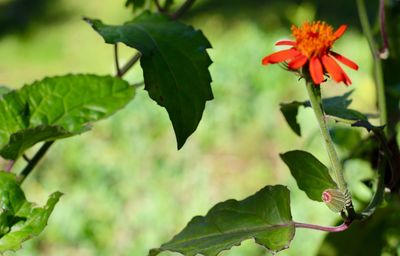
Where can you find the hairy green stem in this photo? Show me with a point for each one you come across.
(316, 104)
(378, 73)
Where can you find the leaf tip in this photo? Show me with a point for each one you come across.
(154, 252)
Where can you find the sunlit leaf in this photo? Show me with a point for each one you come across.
(20, 220)
(264, 216)
(311, 175)
(174, 62)
(57, 107)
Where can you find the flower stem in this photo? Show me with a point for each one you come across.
(314, 94)
(380, 87)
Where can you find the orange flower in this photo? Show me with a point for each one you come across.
(312, 49)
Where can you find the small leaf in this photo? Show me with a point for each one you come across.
(264, 216)
(19, 219)
(57, 107)
(311, 175)
(175, 66)
(135, 3)
(290, 111)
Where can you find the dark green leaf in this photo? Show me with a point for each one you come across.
(311, 175)
(20, 220)
(57, 107)
(135, 3)
(346, 137)
(338, 106)
(264, 216)
(175, 66)
(289, 111)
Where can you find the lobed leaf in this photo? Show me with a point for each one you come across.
(20, 220)
(264, 216)
(57, 107)
(175, 66)
(311, 175)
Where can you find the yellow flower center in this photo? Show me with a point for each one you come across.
(314, 39)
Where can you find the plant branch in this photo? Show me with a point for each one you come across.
(26, 158)
(182, 10)
(378, 73)
(129, 64)
(117, 61)
(339, 228)
(34, 161)
(159, 7)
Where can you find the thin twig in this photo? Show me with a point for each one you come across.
(129, 64)
(184, 7)
(159, 7)
(26, 158)
(340, 228)
(117, 61)
(35, 160)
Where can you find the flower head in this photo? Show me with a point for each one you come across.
(312, 49)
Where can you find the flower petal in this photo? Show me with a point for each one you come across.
(335, 70)
(280, 56)
(316, 72)
(286, 42)
(298, 62)
(340, 31)
(344, 60)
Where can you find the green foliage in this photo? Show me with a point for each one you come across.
(175, 66)
(57, 107)
(20, 220)
(264, 216)
(334, 106)
(311, 175)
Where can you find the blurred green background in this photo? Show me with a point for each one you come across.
(126, 187)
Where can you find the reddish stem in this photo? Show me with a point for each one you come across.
(340, 228)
